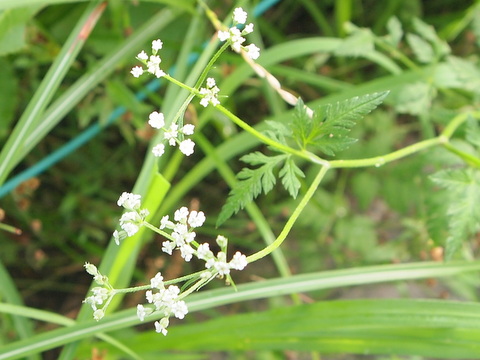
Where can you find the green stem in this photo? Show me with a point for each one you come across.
(395, 53)
(293, 218)
(457, 121)
(181, 84)
(158, 231)
(468, 158)
(10, 229)
(265, 139)
(378, 161)
(195, 90)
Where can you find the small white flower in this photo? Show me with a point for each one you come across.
(153, 66)
(222, 241)
(188, 129)
(211, 82)
(157, 281)
(143, 311)
(239, 15)
(91, 269)
(130, 229)
(186, 147)
(204, 102)
(181, 214)
(236, 38)
(168, 247)
(181, 229)
(222, 267)
(161, 327)
(154, 60)
(137, 71)
(143, 213)
(171, 134)
(157, 45)
(156, 120)
(159, 73)
(248, 29)
(166, 223)
(142, 56)
(223, 35)
(131, 216)
(239, 261)
(100, 294)
(253, 51)
(179, 309)
(203, 251)
(210, 262)
(210, 93)
(172, 292)
(158, 150)
(178, 238)
(98, 314)
(129, 201)
(116, 236)
(190, 236)
(186, 252)
(196, 218)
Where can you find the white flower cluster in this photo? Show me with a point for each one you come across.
(160, 298)
(157, 121)
(235, 36)
(210, 93)
(151, 62)
(183, 239)
(165, 300)
(132, 220)
(100, 294)
(182, 231)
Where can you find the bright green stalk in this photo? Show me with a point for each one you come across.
(378, 161)
(266, 140)
(293, 218)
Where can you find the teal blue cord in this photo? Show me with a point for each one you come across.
(96, 128)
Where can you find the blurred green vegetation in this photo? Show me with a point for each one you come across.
(359, 217)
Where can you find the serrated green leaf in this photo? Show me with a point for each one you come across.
(473, 132)
(359, 43)
(422, 49)
(464, 74)
(428, 32)
(395, 32)
(463, 210)
(300, 124)
(331, 123)
(251, 183)
(290, 174)
(414, 99)
(277, 131)
(425, 30)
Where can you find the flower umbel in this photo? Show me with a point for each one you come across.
(102, 295)
(173, 135)
(183, 239)
(235, 36)
(152, 62)
(132, 220)
(210, 93)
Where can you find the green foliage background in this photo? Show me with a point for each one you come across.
(369, 233)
